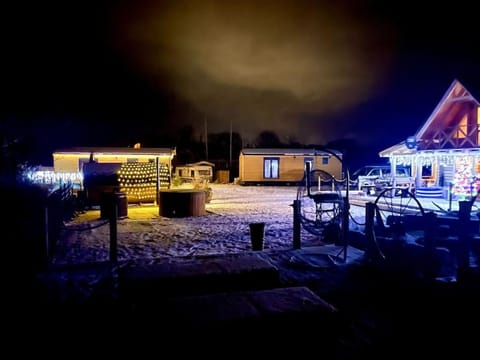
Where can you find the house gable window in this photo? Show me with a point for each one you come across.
(271, 168)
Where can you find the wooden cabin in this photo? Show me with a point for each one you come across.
(285, 166)
(444, 154)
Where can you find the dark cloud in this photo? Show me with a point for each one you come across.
(103, 72)
(261, 64)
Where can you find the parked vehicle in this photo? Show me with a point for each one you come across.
(372, 179)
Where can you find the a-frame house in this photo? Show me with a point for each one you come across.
(444, 154)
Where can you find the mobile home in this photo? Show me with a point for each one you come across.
(285, 166)
(202, 170)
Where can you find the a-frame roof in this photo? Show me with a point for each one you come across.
(438, 130)
(398, 149)
(448, 109)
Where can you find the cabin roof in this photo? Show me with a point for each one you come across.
(200, 163)
(398, 149)
(287, 152)
(116, 151)
(452, 102)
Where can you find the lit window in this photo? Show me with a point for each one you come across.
(271, 168)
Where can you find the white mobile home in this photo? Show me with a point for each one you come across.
(202, 170)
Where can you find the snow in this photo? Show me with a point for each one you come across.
(378, 304)
(224, 229)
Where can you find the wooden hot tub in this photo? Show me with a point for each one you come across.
(181, 203)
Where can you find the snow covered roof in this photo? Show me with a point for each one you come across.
(288, 151)
(117, 151)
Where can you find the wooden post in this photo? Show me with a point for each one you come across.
(464, 208)
(157, 186)
(345, 226)
(369, 232)
(296, 224)
(450, 188)
(372, 251)
(113, 233)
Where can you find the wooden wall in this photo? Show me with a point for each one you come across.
(291, 167)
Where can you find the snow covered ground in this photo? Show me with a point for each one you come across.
(224, 229)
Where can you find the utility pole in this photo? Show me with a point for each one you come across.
(230, 162)
(206, 138)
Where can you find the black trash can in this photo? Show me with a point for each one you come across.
(109, 200)
(257, 233)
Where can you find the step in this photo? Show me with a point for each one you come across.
(290, 312)
(148, 283)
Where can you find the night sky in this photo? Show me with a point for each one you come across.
(113, 73)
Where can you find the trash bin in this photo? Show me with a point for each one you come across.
(257, 233)
(107, 202)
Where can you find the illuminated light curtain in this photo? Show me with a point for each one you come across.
(465, 184)
(138, 181)
(54, 178)
(164, 176)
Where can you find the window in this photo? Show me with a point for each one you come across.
(427, 170)
(325, 160)
(270, 168)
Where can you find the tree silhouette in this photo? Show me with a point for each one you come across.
(268, 139)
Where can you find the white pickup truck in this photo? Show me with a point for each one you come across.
(375, 178)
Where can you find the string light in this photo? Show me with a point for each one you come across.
(51, 177)
(138, 180)
(465, 183)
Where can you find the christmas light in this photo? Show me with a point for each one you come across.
(139, 180)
